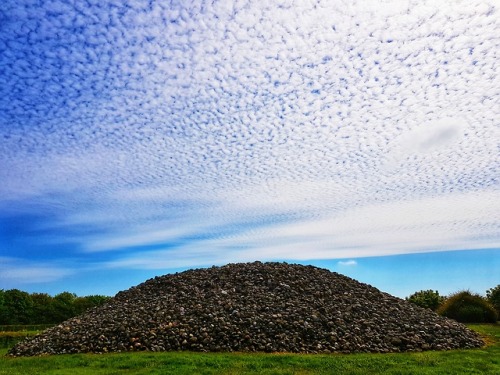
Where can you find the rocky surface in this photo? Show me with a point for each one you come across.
(267, 307)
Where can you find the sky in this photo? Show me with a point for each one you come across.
(140, 138)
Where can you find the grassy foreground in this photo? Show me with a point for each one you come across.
(478, 361)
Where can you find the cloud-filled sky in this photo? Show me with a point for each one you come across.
(148, 136)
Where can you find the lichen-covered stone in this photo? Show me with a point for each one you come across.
(266, 307)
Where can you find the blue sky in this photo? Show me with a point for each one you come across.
(139, 138)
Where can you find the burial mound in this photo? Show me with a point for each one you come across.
(265, 307)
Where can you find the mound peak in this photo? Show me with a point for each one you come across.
(269, 307)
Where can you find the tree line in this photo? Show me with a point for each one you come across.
(463, 306)
(19, 307)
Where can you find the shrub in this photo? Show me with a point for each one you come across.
(493, 297)
(467, 307)
(429, 299)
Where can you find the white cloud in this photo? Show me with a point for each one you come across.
(441, 136)
(253, 130)
(17, 271)
(347, 263)
(425, 225)
(144, 236)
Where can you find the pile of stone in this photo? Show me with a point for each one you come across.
(264, 307)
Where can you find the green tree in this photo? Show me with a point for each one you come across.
(43, 308)
(493, 297)
(18, 307)
(3, 309)
(82, 304)
(428, 299)
(64, 307)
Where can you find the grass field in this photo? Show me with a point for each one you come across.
(9, 338)
(478, 361)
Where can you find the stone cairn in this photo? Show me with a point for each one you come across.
(253, 307)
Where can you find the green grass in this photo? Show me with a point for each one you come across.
(8, 339)
(478, 361)
(11, 334)
(24, 327)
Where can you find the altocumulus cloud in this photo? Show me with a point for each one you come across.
(172, 134)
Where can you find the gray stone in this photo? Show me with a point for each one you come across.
(268, 307)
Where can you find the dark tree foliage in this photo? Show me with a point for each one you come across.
(18, 307)
(493, 297)
(82, 304)
(43, 308)
(467, 307)
(3, 309)
(64, 306)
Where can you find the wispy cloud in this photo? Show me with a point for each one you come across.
(19, 271)
(347, 263)
(418, 225)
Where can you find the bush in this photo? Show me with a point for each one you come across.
(493, 297)
(428, 299)
(467, 307)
